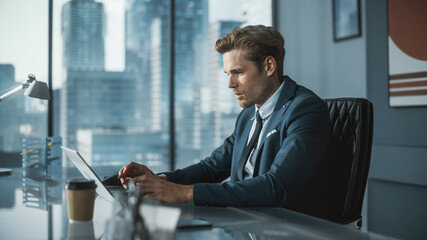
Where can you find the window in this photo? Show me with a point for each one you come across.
(112, 76)
(24, 51)
(205, 109)
(112, 79)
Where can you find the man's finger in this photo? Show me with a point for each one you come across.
(121, 173)
(124, 182)
(138, 179)
(147, 186)
(126, 169)
(149, 195)
(145, 178)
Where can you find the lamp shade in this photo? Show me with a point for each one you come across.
(38, 90)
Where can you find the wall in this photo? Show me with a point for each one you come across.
(396, 198)
(397, 193)
(312, 58)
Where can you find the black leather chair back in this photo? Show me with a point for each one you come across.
(349, 154)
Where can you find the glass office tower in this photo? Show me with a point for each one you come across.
(9, 132)
(83, 31)
(96, 100)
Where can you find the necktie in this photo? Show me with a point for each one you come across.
(251, 145)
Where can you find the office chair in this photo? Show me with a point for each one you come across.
(349, 157)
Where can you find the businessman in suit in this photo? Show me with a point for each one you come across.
(280, 137)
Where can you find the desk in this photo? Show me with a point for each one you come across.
(21, 219)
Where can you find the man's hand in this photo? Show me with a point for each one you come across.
(131, 170)
(159, 188)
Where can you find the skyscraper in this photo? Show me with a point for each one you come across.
(142, 18)
(119, 147)
(222, 103)
(191, 19)
(8, 130)
(97, 100)
(83, 30)
(148, 53)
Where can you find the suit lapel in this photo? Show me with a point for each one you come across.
(285, 99)
(244, 138)
(241, 145)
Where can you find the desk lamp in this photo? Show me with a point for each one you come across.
(35, 89)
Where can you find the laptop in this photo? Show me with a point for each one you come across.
(108, 195)
(88, 173)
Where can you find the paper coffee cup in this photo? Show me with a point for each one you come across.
(81, 199)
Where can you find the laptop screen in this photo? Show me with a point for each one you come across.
(88, 173)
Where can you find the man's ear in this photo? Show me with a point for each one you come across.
(270, 66)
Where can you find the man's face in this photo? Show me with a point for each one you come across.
(249, 84)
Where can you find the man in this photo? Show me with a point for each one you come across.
(279, 139)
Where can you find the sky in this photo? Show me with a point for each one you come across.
(24, 37)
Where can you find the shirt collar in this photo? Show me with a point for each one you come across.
(267, 108)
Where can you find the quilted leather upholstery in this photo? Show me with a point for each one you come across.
(350, 153)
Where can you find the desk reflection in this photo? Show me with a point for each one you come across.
(40, 193)
(7, 191)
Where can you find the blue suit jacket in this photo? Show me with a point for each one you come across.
(294, 141)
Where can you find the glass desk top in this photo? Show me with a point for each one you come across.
(37, 209)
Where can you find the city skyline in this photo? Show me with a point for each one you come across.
(33, 56)
(94, 100)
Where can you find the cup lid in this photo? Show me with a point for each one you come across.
(80, 184)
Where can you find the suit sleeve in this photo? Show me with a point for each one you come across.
(305, 138)
(213, 169)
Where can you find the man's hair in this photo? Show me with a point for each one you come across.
(258, 41)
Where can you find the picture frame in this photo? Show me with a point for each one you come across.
(346, 19)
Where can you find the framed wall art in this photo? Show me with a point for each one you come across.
(407, 53)
(346, 19)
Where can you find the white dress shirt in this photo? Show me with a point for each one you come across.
(265, 112)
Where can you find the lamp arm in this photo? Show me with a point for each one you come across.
(11, 92)
(25, 84)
